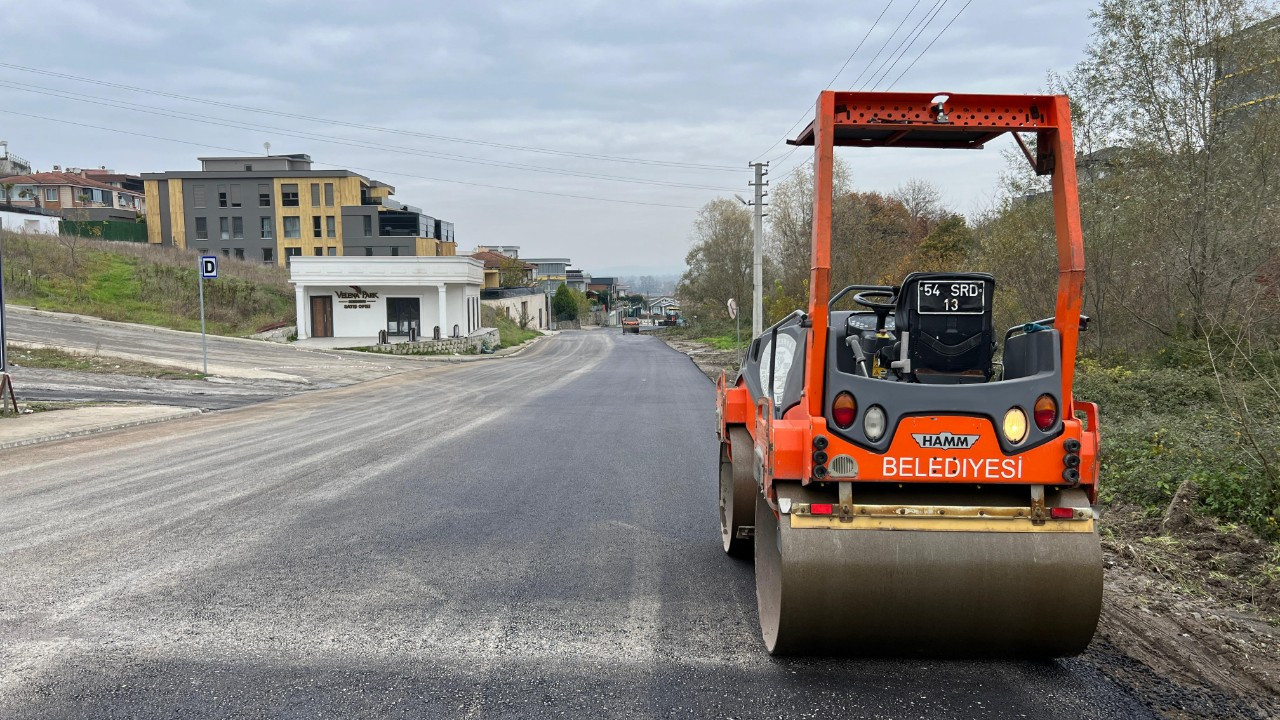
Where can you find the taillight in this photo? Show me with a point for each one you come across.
(843, 410)
(1046, 412)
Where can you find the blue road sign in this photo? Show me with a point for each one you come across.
(208, 266)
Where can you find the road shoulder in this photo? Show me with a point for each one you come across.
(53, 425)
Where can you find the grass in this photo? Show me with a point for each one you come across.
(1164, 426)
(510, 333)
(60, 360)
(145, 284)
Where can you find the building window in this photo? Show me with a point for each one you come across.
(293, 227)
(237, 228)
(268, 256)
(289, 195)
(315, 194)
(264, 196)
(239, 253)
(290, 253)
(368, 226)
(333, 252)
(202, 228)
(395, 251)
(315, 226)
(328, 194)
(319, 252)
(235, 195)
(368, 252)
(224, 227)
(197, 196)
(222, 196)
(267, 229)
(330, 226)
(51, 194)
(226, 252)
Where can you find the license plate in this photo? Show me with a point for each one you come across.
(951, 297)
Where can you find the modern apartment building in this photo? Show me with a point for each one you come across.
(274, 207)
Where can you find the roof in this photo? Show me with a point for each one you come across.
(58, 178)
(494, 260)
(879, 119)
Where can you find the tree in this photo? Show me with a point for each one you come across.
(719, 262)
(512, 274)
(563, 304)
(7, 189)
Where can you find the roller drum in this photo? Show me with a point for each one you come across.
(737, 492)
(939, 593)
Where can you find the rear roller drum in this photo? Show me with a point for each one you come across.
(905, 592)
(737, 492)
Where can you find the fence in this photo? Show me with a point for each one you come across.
(106, 230)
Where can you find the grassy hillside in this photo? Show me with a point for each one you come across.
(141, 283)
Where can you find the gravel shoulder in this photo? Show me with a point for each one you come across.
(1191, 613)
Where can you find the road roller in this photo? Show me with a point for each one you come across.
(909, 479)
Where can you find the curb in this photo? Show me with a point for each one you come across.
(185, 412)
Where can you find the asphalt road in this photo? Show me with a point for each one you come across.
(531, 537)
(232, 357)
(50, 385)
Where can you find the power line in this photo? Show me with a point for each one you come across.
(905, 45)
(931, 42)
(236, 124)
(887, 40)
(351, 167)
(833, 80)
(375, 128)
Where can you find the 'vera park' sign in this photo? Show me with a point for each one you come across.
(356, 298)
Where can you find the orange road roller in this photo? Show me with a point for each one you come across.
(908, 478)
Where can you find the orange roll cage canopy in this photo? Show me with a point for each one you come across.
(945, 121)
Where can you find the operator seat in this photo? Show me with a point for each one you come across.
(945, 328)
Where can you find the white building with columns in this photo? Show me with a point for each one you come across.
(357, 297)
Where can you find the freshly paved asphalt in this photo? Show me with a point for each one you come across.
(531, 537)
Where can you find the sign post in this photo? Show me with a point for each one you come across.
(733, 314)
(6, 383)
(209, 270)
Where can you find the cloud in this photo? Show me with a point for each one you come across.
(694, 82)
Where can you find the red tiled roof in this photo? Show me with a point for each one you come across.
(59, 178)
(493, 260)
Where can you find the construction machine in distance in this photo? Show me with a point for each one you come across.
(901, 491)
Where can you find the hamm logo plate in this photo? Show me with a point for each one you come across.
(945, 441)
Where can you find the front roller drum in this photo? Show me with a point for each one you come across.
(911, 592)
(737, 492)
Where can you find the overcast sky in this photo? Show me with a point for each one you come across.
(703, 83)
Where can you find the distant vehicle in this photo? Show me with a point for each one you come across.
(630, 325)
(670, 316)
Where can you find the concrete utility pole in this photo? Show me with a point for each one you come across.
(757, 297)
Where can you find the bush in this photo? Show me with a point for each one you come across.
(564, 304)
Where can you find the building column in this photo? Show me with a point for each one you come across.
(301, 298)
(445, 328)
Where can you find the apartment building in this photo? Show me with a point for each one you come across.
(271, 208)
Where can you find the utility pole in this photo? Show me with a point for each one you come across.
(757, 254)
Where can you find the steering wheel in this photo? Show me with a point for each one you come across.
(864, 299)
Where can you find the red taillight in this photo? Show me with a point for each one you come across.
(1061, 513)
(844, 409)
(820, 509)
(1046, 412)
